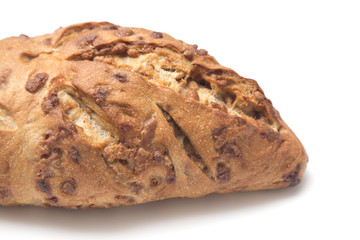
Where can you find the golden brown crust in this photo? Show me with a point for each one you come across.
(98, 115)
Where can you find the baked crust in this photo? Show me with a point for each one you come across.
(98, 115)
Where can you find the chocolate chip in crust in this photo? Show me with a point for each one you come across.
(219, 136)
(124, 198)
(230, 150)
(112, 27)
(69, 186)
(86, 41)
(293, 176)
(36, 82)
(74, 155)
(136, 187)
(24, 36)
(4, 192)
(259, 96)
(69, 125)
(222, 172)
(158, 157)
(27, 57)
(189, 55)
(155, 181)
(49, 102)
(156, 35)
(171, 175)
(53, 200)
(121, 77)
(119, 48)
(133, 53)
(202, 52)
(100, 96)
(124, 32)
(43, 186)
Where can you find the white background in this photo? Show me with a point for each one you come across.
(306, 57)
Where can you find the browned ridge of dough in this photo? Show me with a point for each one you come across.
(98, 115)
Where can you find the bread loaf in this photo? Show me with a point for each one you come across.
(98, 115)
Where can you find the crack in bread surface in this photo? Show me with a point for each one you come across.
(188, 147)
(85, 117)
(153, 67)
(166, 72)
(175, 77)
